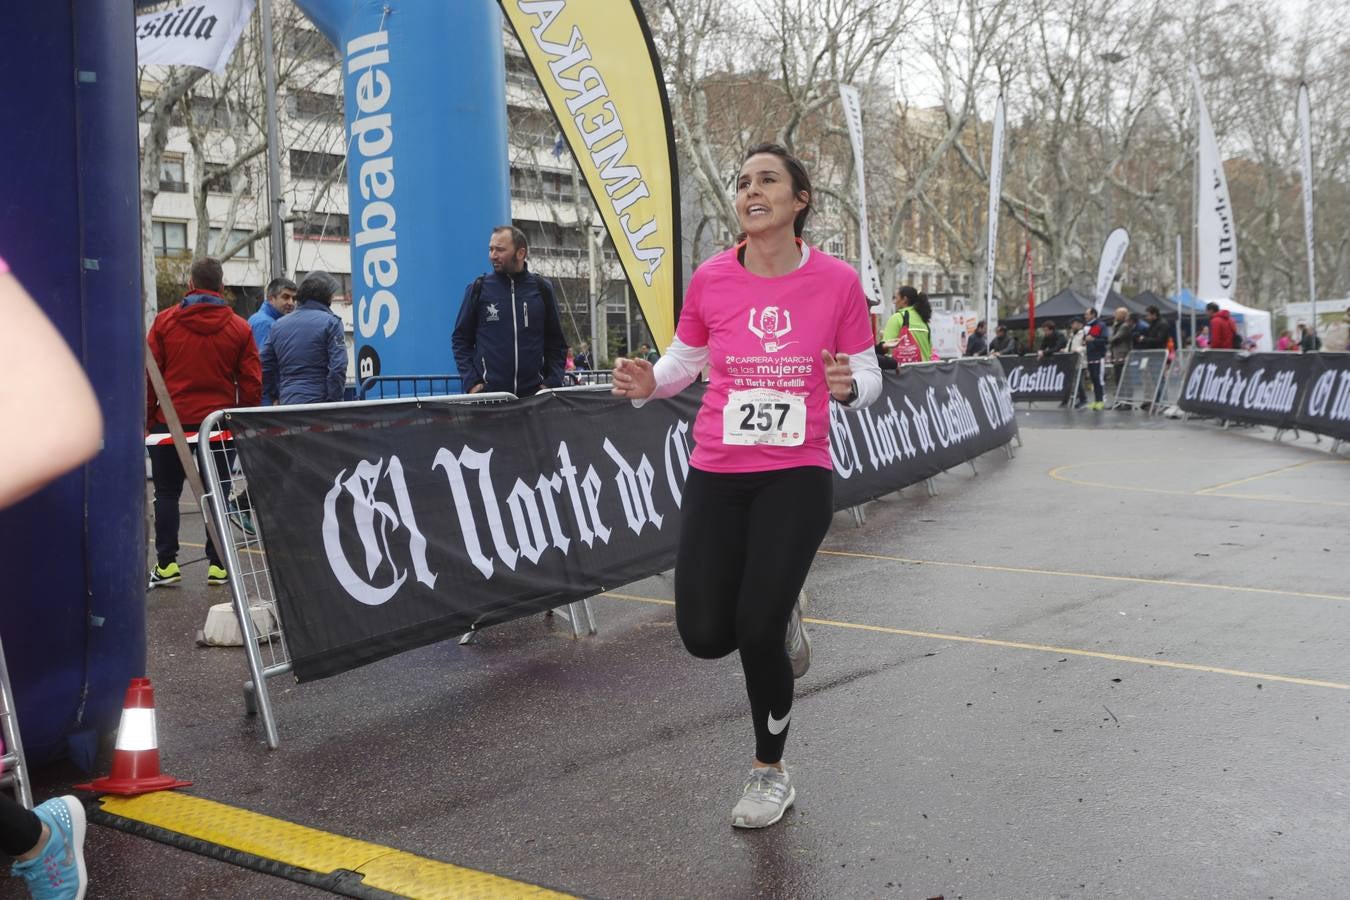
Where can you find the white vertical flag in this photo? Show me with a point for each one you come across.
(1305, 135)
(1216, 246)
(1113, 251)
(871, 281)
(995, 192)
(201, 33)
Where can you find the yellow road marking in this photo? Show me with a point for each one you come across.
(1214, 491)
(383, 868)
(1250, 478)
(1125, 578)
(1042, 648)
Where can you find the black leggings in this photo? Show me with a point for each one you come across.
(20, 829)
(746, 544)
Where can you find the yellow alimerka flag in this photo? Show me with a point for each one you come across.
(598, 67)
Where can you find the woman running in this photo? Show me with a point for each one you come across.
(780, 322)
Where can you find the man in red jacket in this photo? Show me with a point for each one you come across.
(209, 362)
(1221, 328)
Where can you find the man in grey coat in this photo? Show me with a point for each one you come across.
(305, 357)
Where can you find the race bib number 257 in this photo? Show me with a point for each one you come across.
(764, 416)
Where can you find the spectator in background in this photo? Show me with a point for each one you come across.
(1286, 342)
(1121, 341)
(305, 357)
(583, 358)
(1222, 332)
(280, 301)
(508, 336)
(1155, 333)
(1097, 342)
(978, 343)
(1052, 341)
(1078, 344)
(1307, 341)
(912, 312)
(1004, 344)
(646, 352)
(209, 362)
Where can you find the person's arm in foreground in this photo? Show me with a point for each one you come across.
(52, 421)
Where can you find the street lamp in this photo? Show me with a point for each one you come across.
(595, 234)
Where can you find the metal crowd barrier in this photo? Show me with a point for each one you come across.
(588, 376)
(13, 766)
(408, 387)
(415, 387)
(245, 555)
(1174, 381)
(1140, 379)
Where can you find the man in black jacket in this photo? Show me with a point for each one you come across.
(508, 336)
(1052, 342)
(1157, 333)
(1004, 344)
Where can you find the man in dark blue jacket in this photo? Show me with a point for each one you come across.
(1097, 342)
(508, 336)
(305, 357)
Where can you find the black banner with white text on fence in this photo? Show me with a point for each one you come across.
(1261, 388)
(1029, 378)
(391, 526)
(1324, 407)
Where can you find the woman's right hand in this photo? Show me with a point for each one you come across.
(633, 379)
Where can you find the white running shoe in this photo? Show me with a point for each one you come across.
(767, 795)
(798, 642)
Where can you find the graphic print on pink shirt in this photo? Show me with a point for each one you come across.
(769, 333)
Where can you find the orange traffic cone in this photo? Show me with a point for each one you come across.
(135, 767)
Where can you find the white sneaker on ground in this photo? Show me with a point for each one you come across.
(768, 794)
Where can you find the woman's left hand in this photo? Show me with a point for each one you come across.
(838, 375)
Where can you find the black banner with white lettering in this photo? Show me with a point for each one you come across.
(1030, 378)
(1261, 388)
(391, 526)
(930, 418)
(1324, 407)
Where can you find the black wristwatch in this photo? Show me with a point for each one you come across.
(852, 394)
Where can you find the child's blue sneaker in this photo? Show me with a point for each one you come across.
(58, 872)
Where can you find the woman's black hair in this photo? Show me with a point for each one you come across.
(801, 182)
(918, 301)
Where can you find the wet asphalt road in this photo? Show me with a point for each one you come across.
(1084, 672)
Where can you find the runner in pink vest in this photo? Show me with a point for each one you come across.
(784, 330)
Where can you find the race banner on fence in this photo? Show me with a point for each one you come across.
(1262, 388)
(930, 417)
(1030, 378)
(1325, 405)
(396, 525)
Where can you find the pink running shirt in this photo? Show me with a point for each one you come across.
(769, 333)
